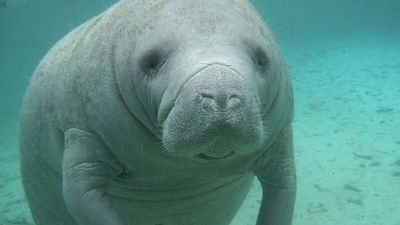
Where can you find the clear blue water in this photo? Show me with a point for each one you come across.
(344, 57)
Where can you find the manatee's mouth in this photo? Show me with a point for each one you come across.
(207, 157)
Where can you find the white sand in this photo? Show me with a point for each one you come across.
(347, 137)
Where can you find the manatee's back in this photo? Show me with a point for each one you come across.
(41, 137)
(48, 109)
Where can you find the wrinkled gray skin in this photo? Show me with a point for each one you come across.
(160, 113)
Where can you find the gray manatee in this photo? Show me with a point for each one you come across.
(160, 112)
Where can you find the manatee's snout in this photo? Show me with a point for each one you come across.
(218, 90)
(215, 115)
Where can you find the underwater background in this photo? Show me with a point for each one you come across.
(344, 58)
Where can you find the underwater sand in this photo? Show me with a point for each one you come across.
(347, 137)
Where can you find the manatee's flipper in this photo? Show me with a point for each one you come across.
(87, 169)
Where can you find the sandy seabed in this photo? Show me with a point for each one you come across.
(347, 137)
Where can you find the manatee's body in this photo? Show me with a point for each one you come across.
(159, 113)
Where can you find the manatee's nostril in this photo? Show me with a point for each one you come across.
(219, 102)
(233, 101)
(208, 102)
(205, 95)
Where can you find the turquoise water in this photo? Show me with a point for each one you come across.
(344, 57)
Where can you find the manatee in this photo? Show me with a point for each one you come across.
(160, 113)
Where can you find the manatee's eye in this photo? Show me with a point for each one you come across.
(261, 60)
(151, 61)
